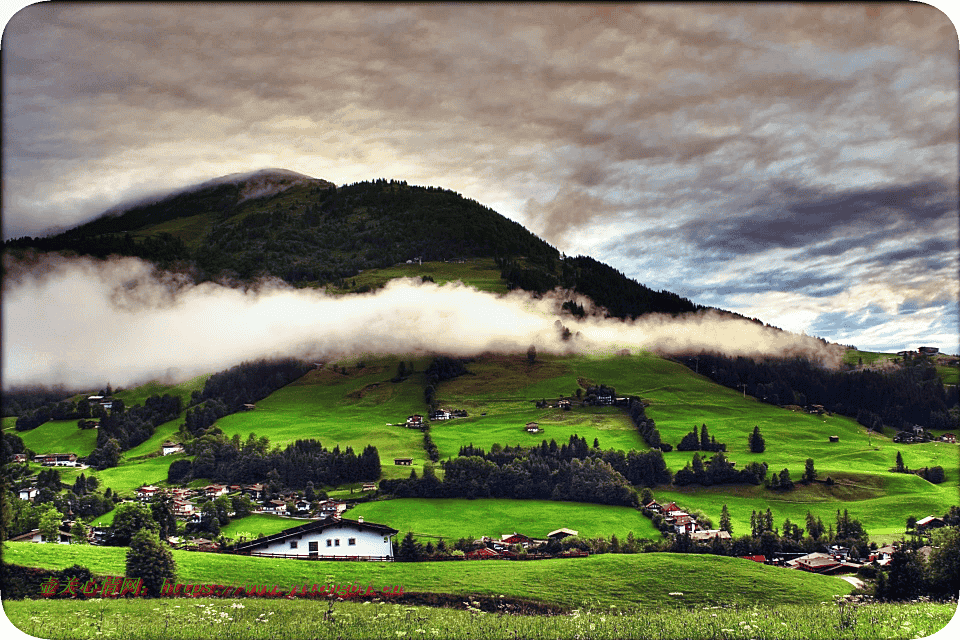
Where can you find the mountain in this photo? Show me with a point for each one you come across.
(309, 232)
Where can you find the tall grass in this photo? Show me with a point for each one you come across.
(199, 619)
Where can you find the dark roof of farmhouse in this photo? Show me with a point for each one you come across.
(314, 527)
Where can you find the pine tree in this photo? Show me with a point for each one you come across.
(725, 520)
(809, 473)
(900, 466)
(757, 445)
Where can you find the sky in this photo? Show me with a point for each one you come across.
(795, 163)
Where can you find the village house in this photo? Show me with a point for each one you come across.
(168, 448)
(19, 457)
(561, 533)
(533, 427)
(508, 539)
(215, 490)
(440, 414)
(928, 351)
(949, 437)
(563, 404)
(684, 524)
(28, 493)
(483, 553)
(56, 459)
(277, 507)
(330, 539)
(146, 492)
(369, 486)
(403, 462)
(35, 536)
(302, 506)
(930, 522)
(183, 509)
(711, 534)
(331, 508)
(415, 421)
(255, 491)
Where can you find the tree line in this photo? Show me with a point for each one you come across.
(250, 461)
(909, 395)
(572, 471)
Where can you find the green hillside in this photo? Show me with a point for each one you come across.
(619, 580)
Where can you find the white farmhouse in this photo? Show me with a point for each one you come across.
(330, 538)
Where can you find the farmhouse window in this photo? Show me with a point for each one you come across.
(336, 542)
(352, 541)
(293, 544)
(314, 546)
(329, 543)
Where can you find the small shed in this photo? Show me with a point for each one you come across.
(533, 427)
(403, 462)
(834, 438)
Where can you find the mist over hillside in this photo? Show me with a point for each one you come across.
(81, 321)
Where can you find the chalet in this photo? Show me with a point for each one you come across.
(332, 538)
(56, 459)
(168, 448)
(917, 430)
(28, 494)
(564, 404)
(302, 506)
(949, 437)
(482, 553)
(684, 524)
(882, 555)
(822, 563)
(654, 506)
(440, 414)
(182, 508)
(533, 427)
(930, 522)
(331, 508)
(215, 490)
(561, 533)
(369, 486)
(928, 351)
(516, 538)
(255, 491)
(249, 407)
(403, 462)
(146, 492)
(705, 536)
(415, 421)
(19, 457)
(605, 398)
(35, 536)
(905, 354)
(278, 507)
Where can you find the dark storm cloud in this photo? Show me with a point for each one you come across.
(625, 131)
(812, 218)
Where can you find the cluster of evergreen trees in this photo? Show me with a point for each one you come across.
(572, 471)
(646, 426)
(911, 394)
(705, 442)
(718, 470)
(233, 461)
(121, 428)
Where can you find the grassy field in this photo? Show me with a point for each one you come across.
(60, 436)
(256, 523)
(349, 410)
(456, 518)
(266, 619)
(480, 273)
(595, 581)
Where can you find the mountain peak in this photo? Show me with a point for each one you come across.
(263, 182)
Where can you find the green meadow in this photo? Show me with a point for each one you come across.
(455, 518)
(600, 581)
(258, 523)
(202, 618)
(354, 409)
(60, 436)
(479, 273)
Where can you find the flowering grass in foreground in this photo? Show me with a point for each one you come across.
(199, 619)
